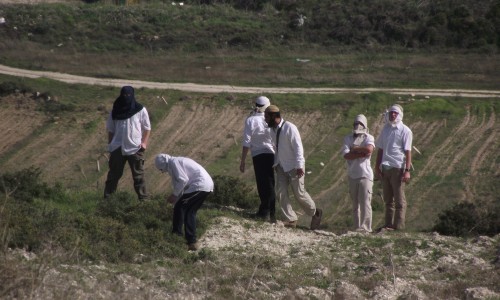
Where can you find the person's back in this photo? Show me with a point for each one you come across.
(257, 140)
(256, 135)
(189, 176)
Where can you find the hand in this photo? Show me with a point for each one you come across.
(300, 173)
(171, 199)
(406, 177)
(242, 166)
(378, 173)
(144, 146)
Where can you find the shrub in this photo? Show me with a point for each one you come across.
(25, 185)
(466, 219)
(9, 87)
(232, 191)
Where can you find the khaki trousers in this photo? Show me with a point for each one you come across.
(117, 163)
(394, 198)
(283, 181)
(360, 190)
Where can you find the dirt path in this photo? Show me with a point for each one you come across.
(191, 87)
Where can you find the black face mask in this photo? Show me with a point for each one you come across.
(125, 106)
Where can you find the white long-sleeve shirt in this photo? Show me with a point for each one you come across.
(188, 176)
(256, 135)
(289, 151)
(127, 133)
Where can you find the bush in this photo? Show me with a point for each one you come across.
(9, 87)
(25, 185)
(466, 219)
(230, 191)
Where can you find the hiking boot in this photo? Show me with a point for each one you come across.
(193, 246)
(316, 219)
(290, 224)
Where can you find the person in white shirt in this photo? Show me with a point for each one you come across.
(129, 128)
(289, 165)
(357, 151)
(393, 166)
(257, 140)
(191, 186)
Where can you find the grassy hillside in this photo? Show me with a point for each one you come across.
(59, 240)
(455, 138)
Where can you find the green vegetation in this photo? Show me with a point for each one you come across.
(59, 214)
(341, 43)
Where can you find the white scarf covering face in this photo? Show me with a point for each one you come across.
(397, 108)
(360, 130)
(161, 162)
(359, 139)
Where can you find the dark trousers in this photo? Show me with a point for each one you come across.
(185, 210)
(117, 163)
(264, 175)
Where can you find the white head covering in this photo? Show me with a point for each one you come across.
(264, 101)
(397, 108)
(161, 162)
(359, 129)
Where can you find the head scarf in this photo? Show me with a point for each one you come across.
(261, 103)
(125, 105)
(161, 162)
(397, 108)
(358, 129)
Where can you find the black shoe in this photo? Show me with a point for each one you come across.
(272, 219)
(316, 219)
(259, 216)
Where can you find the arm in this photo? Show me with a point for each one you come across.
(145, 139)
(406, 174)
(110, 137)
(359, 152)
(378, 172)
(244, 152)
(172, 199)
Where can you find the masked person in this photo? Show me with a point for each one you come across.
(357, 151)
(393, 166)
(289, 165)
(257, 140)
(128, 129)
(191, 186)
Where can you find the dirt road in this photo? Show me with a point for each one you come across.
(192, 87)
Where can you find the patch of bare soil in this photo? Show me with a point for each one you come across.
(20, 120)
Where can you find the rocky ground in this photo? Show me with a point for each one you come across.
(243, 259)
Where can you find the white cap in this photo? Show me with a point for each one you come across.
(262, 100)
(262, 103)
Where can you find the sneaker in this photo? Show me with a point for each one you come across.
(193, 246)
(291, 224)
(316, 219)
